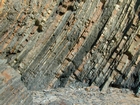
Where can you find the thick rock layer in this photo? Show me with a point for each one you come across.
(12, 90)
(62, 43)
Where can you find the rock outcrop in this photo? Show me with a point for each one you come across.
(62, 43)
(85, 96)
(12, 90)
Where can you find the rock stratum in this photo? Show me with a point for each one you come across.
(49, 44)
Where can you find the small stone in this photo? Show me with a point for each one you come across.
(87, 89)
(49, 11)
(125, 37)
(117, 7)
(137, 95)
(21, 65)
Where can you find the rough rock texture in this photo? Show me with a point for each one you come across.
(85, 96)
(63, 43)
(12, 90)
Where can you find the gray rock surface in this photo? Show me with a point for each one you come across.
(85, 96)
(12, 90)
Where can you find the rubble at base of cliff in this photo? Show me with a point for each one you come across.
(85, 96)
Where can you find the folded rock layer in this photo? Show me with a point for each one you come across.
(62, 43)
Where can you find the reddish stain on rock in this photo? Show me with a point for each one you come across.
(7, 76)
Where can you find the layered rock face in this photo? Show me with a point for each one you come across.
(12, 90)
(62, 43)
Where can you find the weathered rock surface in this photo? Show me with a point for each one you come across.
(85, 96)
(62, 43)
(12, 90)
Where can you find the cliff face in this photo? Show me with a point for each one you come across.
(12, 90)
(58, 43)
